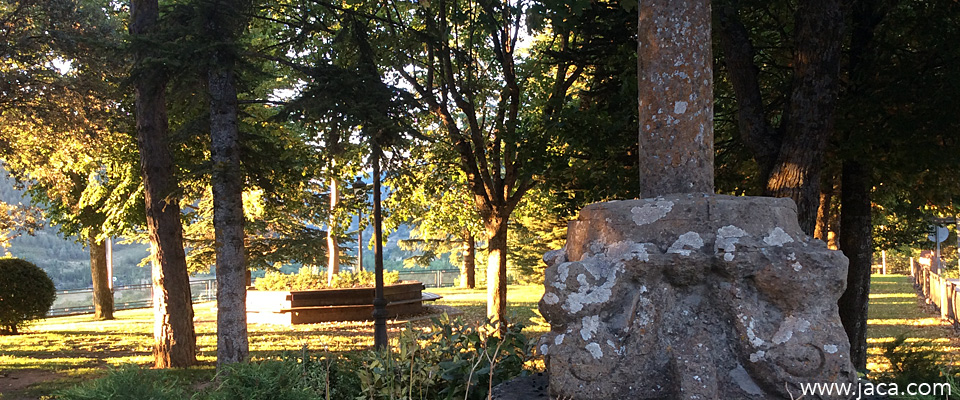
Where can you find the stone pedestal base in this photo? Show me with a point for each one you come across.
(693, 297)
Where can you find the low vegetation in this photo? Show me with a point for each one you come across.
(430, 359)
(308, 279)
(26, 294)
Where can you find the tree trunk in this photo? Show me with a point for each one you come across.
(856, 242)
(789, 159)
(497, 270)
(102, 290)
(174, 336)
(333, 248)
(468, 276)
(808, 120)
(738, 55)
(675, 98)
(232, 345)
(824, 212)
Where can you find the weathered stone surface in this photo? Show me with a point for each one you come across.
(675, 83)
(692, 296)
(531, 387)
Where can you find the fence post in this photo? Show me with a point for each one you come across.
(883, 256)
(955, 299)
(948, 303)
(944, 312)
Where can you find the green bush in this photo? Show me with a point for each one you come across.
(306, 279)
(452, 360)
(265, 380)
(26, 294)
(129, 383)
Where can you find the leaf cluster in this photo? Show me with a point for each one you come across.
(451, 360)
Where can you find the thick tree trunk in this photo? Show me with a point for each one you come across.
(808, 121)
(856, 242)
(790, 161)
(333, 248)
(468, 275)
(232, 346)
(738, 55)
(675, 79)
(497, 270)
(102, 290)
(174, 336)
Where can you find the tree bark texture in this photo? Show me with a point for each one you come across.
(856, 242)
(808, 123)
(738, 55)
(174, 336)
(333, 248)
(497, 270)
(102, 290)
(790, 157)
(468, 277)
(228, 218)
(675, 79)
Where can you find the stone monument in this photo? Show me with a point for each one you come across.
(686, 294)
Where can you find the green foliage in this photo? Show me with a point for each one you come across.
(129, 382)
(265, 380)
(308, 279)
(26, 294)
(291, 376)
(452, 360)
(919, 362)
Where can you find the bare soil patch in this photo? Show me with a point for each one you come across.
(13, 384)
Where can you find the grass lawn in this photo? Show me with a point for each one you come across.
(895, 309)
(61, 351)
(67, 350)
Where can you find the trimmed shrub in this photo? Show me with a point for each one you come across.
(26, 294)
(307, 280)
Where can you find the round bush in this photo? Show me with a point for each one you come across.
(26, 294)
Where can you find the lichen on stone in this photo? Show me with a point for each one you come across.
(777, 237)
(689, 239)
(649, 213)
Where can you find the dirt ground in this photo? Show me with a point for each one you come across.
(13, 384)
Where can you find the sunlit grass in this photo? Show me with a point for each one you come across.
(895, 309)
(78, 347)
(521, 305)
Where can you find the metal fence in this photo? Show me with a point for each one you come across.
(80, 301)
(436, 278)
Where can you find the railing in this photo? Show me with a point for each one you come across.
(940, 292)
(80, 301)
(435, 278)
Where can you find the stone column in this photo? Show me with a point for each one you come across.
(685, 294)
(675, 79)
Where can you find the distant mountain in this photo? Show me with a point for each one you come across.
(64, 259)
